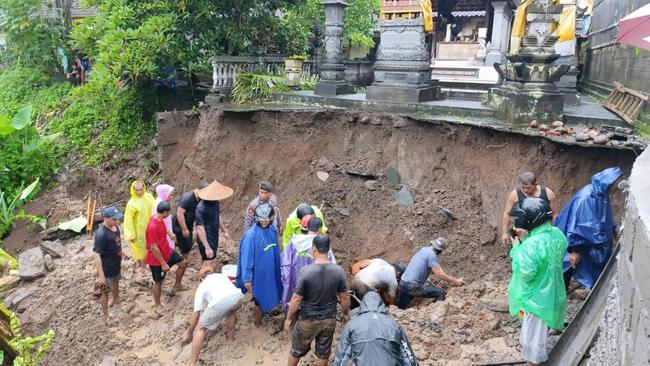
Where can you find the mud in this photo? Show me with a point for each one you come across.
(459, 178)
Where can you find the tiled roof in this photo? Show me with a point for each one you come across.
(79, 11)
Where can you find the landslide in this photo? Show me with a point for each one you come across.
(459, 177)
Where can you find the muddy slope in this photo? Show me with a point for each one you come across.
(459, 176)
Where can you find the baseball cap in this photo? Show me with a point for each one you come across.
(439, 243)
(266, 186)
(112, 213)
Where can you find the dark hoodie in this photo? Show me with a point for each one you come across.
(374, 338)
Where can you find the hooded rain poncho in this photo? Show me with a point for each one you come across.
(259, 263)
(373, 338)
(292, 227)
(163, 192)
(588, 224)
(136, 218)
(537, 284)
(294, 258)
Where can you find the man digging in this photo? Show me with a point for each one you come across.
(216, 298)
(108, 258)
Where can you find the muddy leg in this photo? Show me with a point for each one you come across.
(157, 290)
(231, 323)
(197, 344)
(293, 361)
(103, 301)
(180, 272)
(115, 291)
(258, 316)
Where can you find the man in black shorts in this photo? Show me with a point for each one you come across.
(160, 256)
(208, 222)
(315, 295)
(183, 220)
(108, 257)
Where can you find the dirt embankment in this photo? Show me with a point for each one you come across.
(458, 176)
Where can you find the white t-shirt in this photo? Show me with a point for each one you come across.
(379, 272)
(214, 288)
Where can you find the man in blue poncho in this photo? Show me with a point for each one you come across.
(589, 225)
(258, 268)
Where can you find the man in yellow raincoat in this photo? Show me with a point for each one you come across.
(292, 226)
(136, 218)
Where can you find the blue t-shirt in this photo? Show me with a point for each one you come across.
(420, 266)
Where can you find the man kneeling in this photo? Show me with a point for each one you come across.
(216, 298)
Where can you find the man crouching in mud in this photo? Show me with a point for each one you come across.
(216, 298)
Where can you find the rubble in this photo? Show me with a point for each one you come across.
(53, 248)
(31, 264)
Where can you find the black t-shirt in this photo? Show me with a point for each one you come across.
(319, 284)
(109, 247)
(188, 202)
(207, 215)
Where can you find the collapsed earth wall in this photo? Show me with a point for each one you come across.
(459, 176)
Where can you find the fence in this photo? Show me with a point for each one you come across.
(226, 68)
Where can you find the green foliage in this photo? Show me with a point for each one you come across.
(31, 350)
(308, 82)
(19, 86)
(360, 22)
(103, 118)
(9, 206)
(250, 87)
(33, 32)
(295, 27)
(24, 155)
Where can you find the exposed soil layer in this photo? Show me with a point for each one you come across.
(458, 176)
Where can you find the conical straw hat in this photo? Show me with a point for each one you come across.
(215, 191)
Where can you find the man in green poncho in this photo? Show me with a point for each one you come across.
(536, 291)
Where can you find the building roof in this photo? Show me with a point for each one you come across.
(79, 11)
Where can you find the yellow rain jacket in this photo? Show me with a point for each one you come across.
(136, 218)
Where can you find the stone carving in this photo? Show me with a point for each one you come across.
(528, 92)
(332, 77)
(402, 69)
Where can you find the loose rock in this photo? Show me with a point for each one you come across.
(53, 248)
(557, 124)
(19, 295)
(49, 262)
(582, 136)
(543, 127)
(344, 212)
(370, 185)
(601, 139)
(322, 176)
(31, 264)
(561, 130)
(534, 124)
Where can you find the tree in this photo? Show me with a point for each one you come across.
(33, 32)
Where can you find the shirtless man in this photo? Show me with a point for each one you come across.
(529, 188)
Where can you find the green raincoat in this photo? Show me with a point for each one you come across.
(136, 218)
(537, 284)
(292, 227)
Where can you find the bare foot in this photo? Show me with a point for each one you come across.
(116, 303)
(180, 288)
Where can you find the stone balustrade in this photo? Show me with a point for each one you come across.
(226, 68)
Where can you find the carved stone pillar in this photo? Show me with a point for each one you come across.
(402, 69)
(332, 78)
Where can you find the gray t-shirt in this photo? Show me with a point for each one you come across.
(319, 284)
(420, 266)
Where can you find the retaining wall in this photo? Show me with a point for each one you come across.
(624, 337)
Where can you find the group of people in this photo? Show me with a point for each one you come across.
(291, 267)
(549, 248)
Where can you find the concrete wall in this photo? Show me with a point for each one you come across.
(605, 61)
(625, 328)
